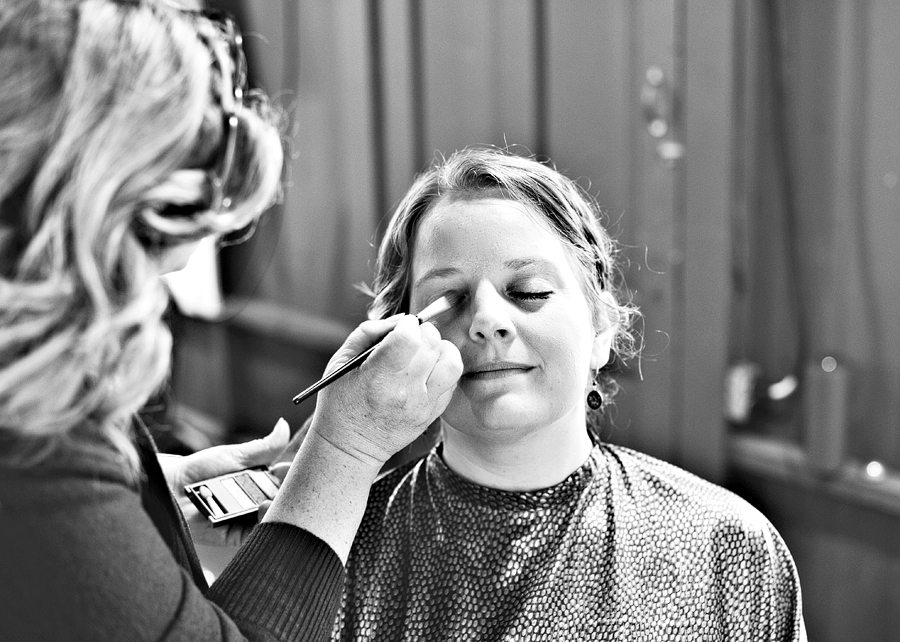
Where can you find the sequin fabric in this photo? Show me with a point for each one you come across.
(626, 548)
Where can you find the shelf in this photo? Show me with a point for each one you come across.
(787, 462)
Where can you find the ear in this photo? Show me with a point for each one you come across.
(602, 344)
(601, 348)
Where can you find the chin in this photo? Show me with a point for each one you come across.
(513, 415)
(498, 419)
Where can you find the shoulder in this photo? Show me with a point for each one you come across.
(73, 474)
(71, 535)
(656, 489)
(710, 533)
(654, 480)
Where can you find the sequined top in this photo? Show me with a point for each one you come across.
(626, 548)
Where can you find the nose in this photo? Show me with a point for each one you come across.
(491, 320)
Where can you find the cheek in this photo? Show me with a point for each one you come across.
(453, 330)
(566, 352)
(570, 361)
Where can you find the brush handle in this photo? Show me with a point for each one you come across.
(437, 307)
(355, 362)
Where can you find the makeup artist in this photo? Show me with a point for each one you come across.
(125, 137)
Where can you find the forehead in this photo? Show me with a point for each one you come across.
(475, 216)
(480, 231)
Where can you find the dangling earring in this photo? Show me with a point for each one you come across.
(594, 398)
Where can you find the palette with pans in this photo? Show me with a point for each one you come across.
(234, 495)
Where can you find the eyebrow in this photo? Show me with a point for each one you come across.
(436, 273)
(512, 264)
(520, 264)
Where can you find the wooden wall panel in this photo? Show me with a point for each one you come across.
(401, 155)
(841, 91)
(810, 29)
(479, 77)
(822, 209)
(878, 238)
(355, 154)
(330, 202)
(705, 247)
(850, 326)
(651, 224)
(763, 279)
(590, 99)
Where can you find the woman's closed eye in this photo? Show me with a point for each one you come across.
(528, 295)
(529, 289)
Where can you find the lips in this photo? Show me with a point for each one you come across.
(495, 369)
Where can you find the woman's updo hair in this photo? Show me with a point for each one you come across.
(111, 120)
(568, 209)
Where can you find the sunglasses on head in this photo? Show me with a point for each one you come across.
(229, 46)
(234, 87)
(233, 92)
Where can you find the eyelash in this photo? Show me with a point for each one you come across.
(530, 296)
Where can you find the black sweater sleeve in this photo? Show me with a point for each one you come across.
(284, 581)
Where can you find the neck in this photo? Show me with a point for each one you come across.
(540, 459)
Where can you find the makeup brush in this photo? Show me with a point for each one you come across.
(432, 310)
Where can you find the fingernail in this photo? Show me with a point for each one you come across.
(281, 423)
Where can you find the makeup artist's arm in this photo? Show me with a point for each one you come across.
(363, 419)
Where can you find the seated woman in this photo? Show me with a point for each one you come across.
(520, 524)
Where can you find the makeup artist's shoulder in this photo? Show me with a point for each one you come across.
(72, 463)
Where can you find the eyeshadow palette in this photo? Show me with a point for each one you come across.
(234, 495)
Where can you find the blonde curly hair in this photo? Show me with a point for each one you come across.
(111, 119)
